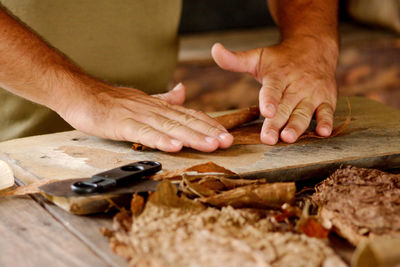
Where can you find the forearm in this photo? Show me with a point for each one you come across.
(32, 69)
(314, 19)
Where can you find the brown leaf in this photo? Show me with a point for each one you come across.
(167, 195)
(254, 196)
(137, 204)
(205, 168)
(313, 228)
(240, 117)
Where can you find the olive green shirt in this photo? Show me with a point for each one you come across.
(123, 42)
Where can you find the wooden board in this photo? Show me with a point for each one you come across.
(371, 140)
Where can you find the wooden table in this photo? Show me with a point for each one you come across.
(37, 233)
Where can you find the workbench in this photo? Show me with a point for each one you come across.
(36, 232)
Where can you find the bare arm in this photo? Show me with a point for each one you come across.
(298, 74)
(33, 70)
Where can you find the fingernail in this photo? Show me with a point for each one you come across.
(175, 142)
(210, 139)
(325, 130)
(270, 109)
(290, 134)
(224, 136)
(179, 85)
(271, 136)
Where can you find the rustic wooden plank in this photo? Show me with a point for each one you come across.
(371, 140)
(373, 132)
(30, 236)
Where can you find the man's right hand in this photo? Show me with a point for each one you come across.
(127, 114)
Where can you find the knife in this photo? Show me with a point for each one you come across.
(125, 179)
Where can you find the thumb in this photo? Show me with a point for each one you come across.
(176, 96)
(245, 61)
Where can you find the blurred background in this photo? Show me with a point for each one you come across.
(369, 63)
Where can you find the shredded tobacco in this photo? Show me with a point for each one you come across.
(173, 230)
(361, 203)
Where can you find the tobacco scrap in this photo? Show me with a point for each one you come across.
(208, 168)
(254, 196)
(167, 234)
(360, 203)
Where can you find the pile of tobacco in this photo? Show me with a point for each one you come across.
(207, 216)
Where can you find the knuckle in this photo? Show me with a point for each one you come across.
(142, 132)
(302, 113)
(170, 125)
(284, 109)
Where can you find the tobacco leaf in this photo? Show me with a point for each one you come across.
(167, 195)
(137, 204)
(313, 228)
(229, 121)
(250, 134)
(254, 196)
(360, 203)
(209, 168)
(240, 117)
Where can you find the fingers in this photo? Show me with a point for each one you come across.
(271, 127)
(133, 131)
(174, 97)
(194, 132)
(298, 121)
(270, 96)
(190, 137)
(235, 61)
(324, 116)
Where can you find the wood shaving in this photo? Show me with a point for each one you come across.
(361, 203)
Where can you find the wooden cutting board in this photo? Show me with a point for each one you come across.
(371, 140)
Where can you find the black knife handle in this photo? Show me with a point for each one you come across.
(116, 177)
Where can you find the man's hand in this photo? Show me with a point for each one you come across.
(298, 74)
(35, 71)
(297, 80)
(155, 121)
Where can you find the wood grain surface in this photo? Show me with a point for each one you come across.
(30, 236)
(372, 139)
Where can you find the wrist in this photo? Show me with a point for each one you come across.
(324, 46)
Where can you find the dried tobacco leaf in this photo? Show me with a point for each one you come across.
(360, 203)
(137, 204)
(209, 168)
(240, 117)
(250, 134)
(167, 195)
(254, 196)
